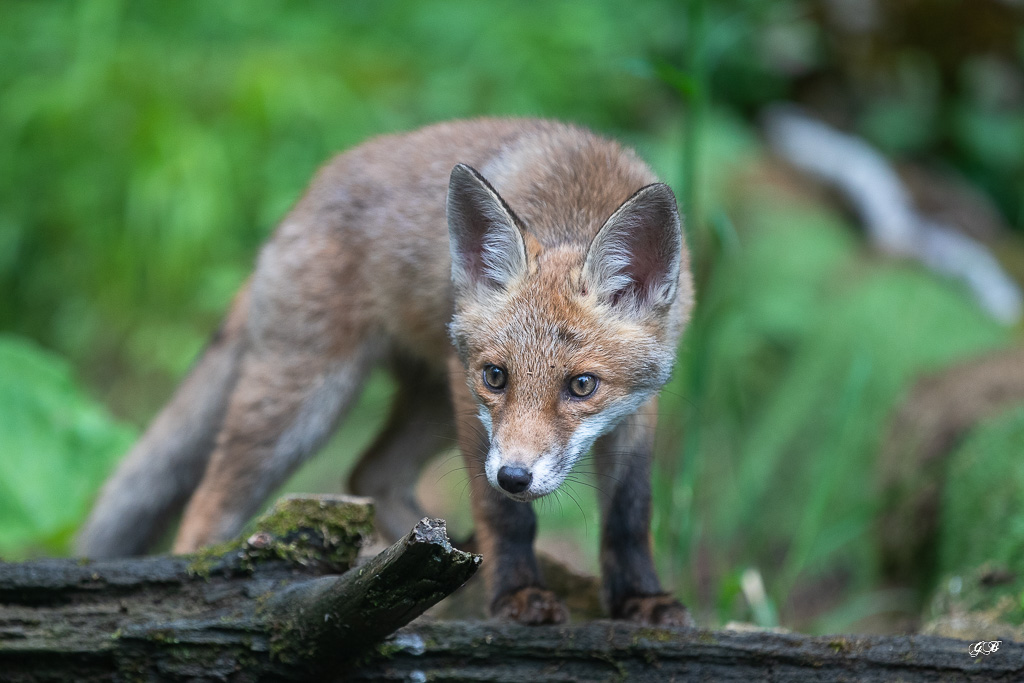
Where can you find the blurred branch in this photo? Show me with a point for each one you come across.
(883, 204)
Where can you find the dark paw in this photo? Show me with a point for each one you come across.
(656, 610)
(531, 606)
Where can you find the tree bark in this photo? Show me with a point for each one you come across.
(328, 621)
(619, 651)
(250, 610)
(260, 609)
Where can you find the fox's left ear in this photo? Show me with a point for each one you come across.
(484, 237)
(633, 262)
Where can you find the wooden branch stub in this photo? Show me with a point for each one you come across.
(326, 621)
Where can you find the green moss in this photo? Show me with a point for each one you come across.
(316, 512)
(983, 503)
(840, 645)
(991, 589)
(325, 531)
(989, 599)
(308, 530)
(980, 585)
(162, 636)
(658, 635)
(622, 673)
(388, 650)
(281, 649)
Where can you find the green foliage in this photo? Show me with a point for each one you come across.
(982, 516)
(148, 148)
(799, 353)
(57, 446)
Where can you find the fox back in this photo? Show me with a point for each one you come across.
(381, 210)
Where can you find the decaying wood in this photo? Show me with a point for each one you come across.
(220, 614)
(330, 620)
(260, 609)
(618, 651)
(939, 412)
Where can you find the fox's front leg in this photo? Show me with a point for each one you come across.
(631, 587)
(504, 529)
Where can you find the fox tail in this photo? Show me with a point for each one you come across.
(165, 466)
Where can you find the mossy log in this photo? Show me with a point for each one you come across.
(618, 651)
(241, 611)
(260, 609)
(940, 410)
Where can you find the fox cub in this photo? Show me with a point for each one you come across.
(549, 312)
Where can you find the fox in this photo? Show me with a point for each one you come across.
(525, 281)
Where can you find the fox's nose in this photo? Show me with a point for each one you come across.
(514, 479)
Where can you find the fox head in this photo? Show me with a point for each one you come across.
(561, 342)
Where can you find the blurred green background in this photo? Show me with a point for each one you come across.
(147, 148)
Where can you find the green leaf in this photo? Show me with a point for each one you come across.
(56, 447)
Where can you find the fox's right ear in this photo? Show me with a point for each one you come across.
(484, 237)
(634, 260)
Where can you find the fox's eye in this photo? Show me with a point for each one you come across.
(495, 377)
(583, 385)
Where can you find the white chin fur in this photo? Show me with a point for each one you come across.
(547, 476)
(550, 470)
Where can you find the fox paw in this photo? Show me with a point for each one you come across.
(656, 610)
(531, 606)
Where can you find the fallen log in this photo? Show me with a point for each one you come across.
(619, 651)
(260, 609)
(940, 411)
(241, 611)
